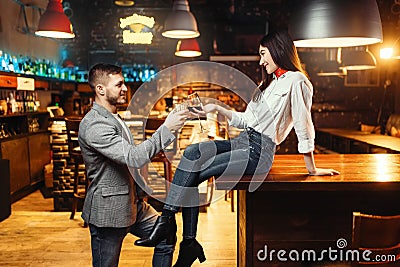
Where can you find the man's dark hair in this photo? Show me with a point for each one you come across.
(99, 72)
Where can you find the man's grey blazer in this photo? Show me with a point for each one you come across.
(112, 162)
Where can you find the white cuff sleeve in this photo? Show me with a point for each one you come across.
(305, 146)
(235, 121)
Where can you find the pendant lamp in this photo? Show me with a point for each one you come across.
(180, 23)
(358, 58)
(332, 68)
(338, 23)
(124, 3)
(54, 23)
(332, 65)
(188, 48)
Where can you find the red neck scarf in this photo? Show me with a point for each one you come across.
(279, 72)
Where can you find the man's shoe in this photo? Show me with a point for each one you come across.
(164, 228)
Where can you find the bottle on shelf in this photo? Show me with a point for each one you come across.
(19, 102)
(4, 61)
(9, 107)
(3, 102)
(30, 102)
(13, 104)
(25, 101)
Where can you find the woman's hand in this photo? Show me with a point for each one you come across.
(313, 170)
(210, 108)
(320, 172)
(213, 108)
(203, 112)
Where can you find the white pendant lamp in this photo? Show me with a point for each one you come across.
(338, 23)
(180, 23)
(358, 58)
(332, 65)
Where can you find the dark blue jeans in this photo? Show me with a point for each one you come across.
(249, 153)
(106, 242)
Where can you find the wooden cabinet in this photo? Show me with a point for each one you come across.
(7, 81)
(26, 145)
(16, 151)
(62, 85)
(84, 88)
(5, 204)
(39, 155)
(41, 84)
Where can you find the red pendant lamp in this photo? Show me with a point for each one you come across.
(188, 48)
(54, 23)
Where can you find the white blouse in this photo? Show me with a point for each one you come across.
(285, 104)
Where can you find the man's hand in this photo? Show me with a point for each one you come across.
(175, 120)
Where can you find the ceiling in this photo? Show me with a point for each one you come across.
(227, 27)
(231, 26)
(239, 16)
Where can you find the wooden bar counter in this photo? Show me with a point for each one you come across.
(351, 141)
(292, 210)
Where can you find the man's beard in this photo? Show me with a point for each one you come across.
(114, 100)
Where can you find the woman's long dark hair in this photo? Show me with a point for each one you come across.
(283, 52)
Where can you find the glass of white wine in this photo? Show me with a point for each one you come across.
(194, 102)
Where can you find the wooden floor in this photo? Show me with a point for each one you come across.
(35, 235)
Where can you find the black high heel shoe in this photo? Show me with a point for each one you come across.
(164, 228)
(189, 251)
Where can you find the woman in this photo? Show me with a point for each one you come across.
(282, 101)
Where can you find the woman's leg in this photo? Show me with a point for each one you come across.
(199, 162)
(185, 180)
(227, 161)
(233, 160)
(184, 190)
(195, 160)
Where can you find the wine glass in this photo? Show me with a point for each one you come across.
(194, 102)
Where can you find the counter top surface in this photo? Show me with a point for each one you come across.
(357, 172)
(379, 140)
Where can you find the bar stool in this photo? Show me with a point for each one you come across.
(231, 195)
(378, 234)
(79, 188)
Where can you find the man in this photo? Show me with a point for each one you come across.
(113, 206)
